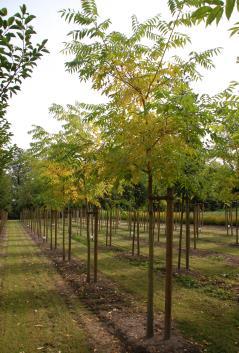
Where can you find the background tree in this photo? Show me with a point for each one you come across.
(18, 55)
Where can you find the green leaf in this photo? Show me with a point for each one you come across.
(10, 21)
(3, 12)
(20, 35)
(214, 15)
(215, 2)
(229, 7)
(238, 5)
(202, 12)
(219, 15)
(29, 19)
(23, 9)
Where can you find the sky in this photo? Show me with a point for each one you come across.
(50, 83)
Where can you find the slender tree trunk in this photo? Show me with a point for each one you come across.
(134, 227)
(80, 214)
(107, 229)
(158, 223)
(39, 223)
(111, 224)
(31, 220)
(150, 306)
(197, 220)
(130, 223)
(55, 229)
(226, 219)
(194, 227)
(96, 244)
(44, 224)
(88, 241)
(92, 226)
(231, 219)
(169, 265)
(51, 235)
(237, 240)
(202, 217)
(180, 235)
(69, 232)
(138, 245)
(47, 225)
(63, 236)
(187, 221)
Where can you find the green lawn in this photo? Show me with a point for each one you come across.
(33, 315)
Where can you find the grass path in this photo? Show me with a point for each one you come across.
(33, 315)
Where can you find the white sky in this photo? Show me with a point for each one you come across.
(51, 84)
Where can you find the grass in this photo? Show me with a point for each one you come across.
(33, 315)
(209, 217)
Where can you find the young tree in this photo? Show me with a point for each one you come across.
(145, 119)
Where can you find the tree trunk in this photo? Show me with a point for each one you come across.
(107, 228)
(169, 265)
(111, 224)
(80, 214)
(96, 244)
(237, 240)
(88, 241)
(134, 227)
(55, 229)
(63, 236)
(187, 221)
(138, 245)
(150, 304)
(231, 219)
(51, 221)
(180, 235)
(194, 227)
(69, 232)
(226, 219)
(47, 224)
(158, 223)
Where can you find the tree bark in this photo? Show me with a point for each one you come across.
(88, 242)
(138, 244)
(237, 240)
(63, 236)
(96, 244)
(180, 235)
(51, 221)
(150, 304)
(187, 221)
(55, 213)
(169, 265)
(134, 227)
(69, 232)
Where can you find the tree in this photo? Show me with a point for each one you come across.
(148, 96)
(73, 164)
(18, 55)
(5, 192)
(6, 151)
